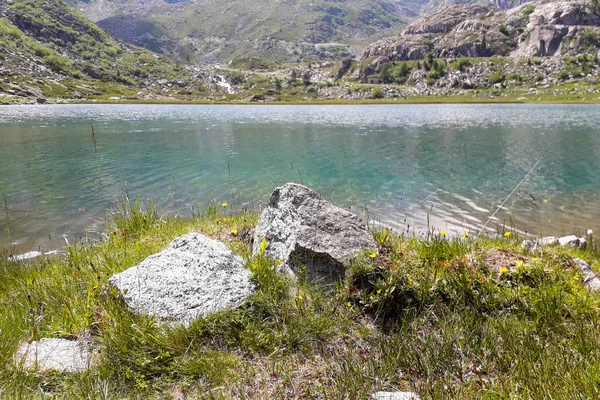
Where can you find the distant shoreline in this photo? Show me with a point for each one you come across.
(397, 101)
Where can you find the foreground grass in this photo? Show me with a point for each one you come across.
(435, 315)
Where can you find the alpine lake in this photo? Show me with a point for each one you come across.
(532, 169)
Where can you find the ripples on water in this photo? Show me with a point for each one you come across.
(449, 166)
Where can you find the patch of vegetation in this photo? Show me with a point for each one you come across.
(458, 317)
(528, 10)
(497, 77)
(70, 45)
(252, 63)
(462, 64)
(377, 93)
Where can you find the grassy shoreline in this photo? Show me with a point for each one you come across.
(425, 100)
(461, 317)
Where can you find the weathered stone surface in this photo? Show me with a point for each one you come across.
(31, 254)
(395, 396)
(302, 229)
(590, 279)
(61, 355)
(445, 19)
(554, 28)
(547, 241)
(194, 276)
(572, 241)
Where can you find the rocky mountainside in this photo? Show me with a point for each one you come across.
(529, 30)
(215, 32)
(49, 49)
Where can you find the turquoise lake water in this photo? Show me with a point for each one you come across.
(449, 166)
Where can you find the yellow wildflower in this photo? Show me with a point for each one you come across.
(506, 234)
(534, 259)
(278, 261)
(465, 235)
(503, 270)
(373, 255)
(234, 232)
(444, 233)
(224, 204)
(349, 304)
(519, 263)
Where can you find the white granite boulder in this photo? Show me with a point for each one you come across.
(52, 354)
(305, 231)
(571, 241)
(395, 396)
(193, 277)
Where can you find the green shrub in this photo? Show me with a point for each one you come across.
(57, 63)
(528, 10)
(462, 64)
(377, 93)
(497, 77)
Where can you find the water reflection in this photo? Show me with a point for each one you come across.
(408, 166)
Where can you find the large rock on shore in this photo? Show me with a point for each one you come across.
(303, 230)
(193, 277)
(395, 396)
(52, 354)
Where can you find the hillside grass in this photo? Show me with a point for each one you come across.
(427, 314)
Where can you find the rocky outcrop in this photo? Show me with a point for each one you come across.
(60, 355)
(193, 277)
(444, 20)
(303, 230)
(565, 241)
(590, 279)
(395, 396)
(528, 30)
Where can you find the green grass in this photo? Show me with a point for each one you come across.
(429, 314)
(61, 38)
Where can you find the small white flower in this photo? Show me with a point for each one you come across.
(590, 232)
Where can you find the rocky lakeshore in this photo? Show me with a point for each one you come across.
(304, 260)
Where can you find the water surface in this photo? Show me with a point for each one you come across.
(409, 166)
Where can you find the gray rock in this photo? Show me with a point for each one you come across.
(590, 280)
(303, 230)
(60, 355)
(537, 244)
(194, 276)
(31, 254)
(395, 396)
(572, 241)
(547, 241)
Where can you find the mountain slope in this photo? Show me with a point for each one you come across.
(529, 30)
(211, 32)
(50, 41)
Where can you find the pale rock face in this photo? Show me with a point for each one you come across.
(590, 279)
(303, 230)
(194, 276)
(571, 241)
(52, 354)
(551, 29)
(395, 396)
